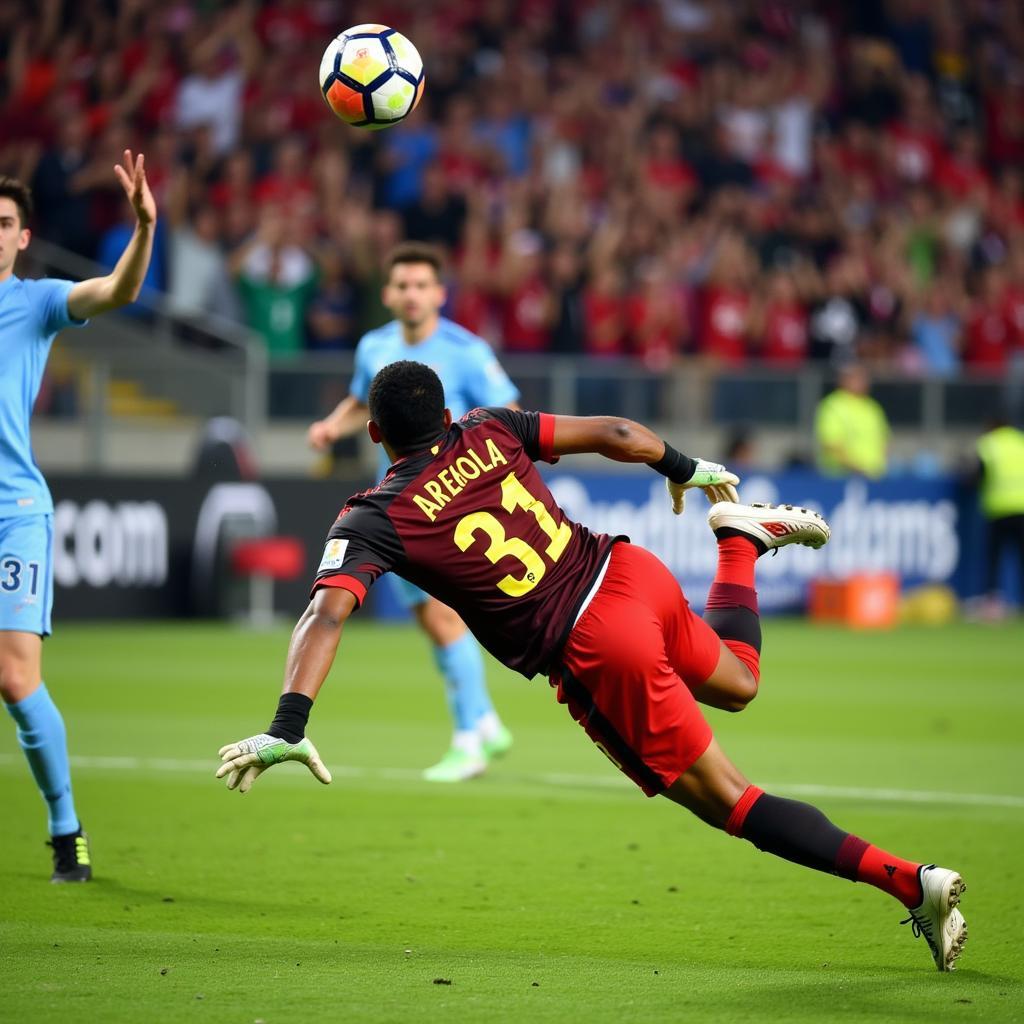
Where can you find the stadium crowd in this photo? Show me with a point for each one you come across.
(776, 180)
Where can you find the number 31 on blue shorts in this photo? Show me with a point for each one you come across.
(26, 573)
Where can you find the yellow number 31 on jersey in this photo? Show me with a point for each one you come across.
(514, 495)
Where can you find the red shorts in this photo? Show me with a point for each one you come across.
(629, 666)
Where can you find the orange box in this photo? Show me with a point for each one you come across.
(864, 600)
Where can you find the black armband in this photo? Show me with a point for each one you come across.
(292, 715)
(679, 468)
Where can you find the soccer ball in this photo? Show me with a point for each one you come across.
(371, 76)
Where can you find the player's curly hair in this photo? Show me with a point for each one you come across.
(406, 401)
(21, 194)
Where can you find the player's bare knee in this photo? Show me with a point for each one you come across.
(18, 678)
(440, 623)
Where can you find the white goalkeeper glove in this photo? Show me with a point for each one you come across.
(712, 478)
(246, 760)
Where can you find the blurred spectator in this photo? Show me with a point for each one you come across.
(657, 317)
(287, 183)
(569, 324)
(276, 279)
(734, 179)
(62, 202)
(779, 322)
(936, 331)
(727, 302)
(199, 281)
(838, 320)
(525, 294)
(332, 315)
(438, 215)
(851, 428)
(604, 314)
(212, 94)
(987, 328)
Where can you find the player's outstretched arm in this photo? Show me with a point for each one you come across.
(311, 653)
(123, 284)
(625, 441)
(348, 417)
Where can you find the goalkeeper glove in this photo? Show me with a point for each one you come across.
(246, 760)
(712, 478)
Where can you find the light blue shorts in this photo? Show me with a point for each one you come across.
(26, 573)
(407, 594)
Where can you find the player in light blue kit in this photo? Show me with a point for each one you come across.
(31, 313)
(472, 377)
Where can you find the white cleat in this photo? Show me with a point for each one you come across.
(772, 526)
(937, 918)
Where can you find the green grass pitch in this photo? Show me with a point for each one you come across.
(550, 890)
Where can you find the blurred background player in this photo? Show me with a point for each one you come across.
(31, 314)
(472, 376)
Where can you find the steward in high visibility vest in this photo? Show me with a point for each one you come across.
(851, 429)
(1001, 452)
(1001, 490)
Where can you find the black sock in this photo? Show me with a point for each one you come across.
(795, 831)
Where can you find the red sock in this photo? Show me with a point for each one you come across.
(736, 558)
(866, 863)
(731, 607)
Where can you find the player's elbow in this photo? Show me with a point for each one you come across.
(742, 693)
(625, 438)
(123, 294)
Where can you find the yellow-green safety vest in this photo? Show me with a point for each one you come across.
(857, 424)
(1002, 486)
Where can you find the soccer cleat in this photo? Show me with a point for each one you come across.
(498, 744)
(770, 526)
(71, 861)
(937, 918)
(456, 766)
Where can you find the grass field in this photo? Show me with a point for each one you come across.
(549, 890)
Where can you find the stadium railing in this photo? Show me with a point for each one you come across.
(693, 393)
(150, 359)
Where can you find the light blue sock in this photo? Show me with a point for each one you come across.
(462, 666)
(41, 735)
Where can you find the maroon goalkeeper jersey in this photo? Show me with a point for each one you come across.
(471, 522)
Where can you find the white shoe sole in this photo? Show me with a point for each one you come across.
(943, 891)
(774, 526)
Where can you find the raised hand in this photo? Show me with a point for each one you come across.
(132, 175)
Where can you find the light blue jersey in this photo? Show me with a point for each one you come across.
(468, 368)
(469, 371)
(31, 313)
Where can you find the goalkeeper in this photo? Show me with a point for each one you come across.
(464, 514)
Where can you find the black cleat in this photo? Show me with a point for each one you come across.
(71, 861)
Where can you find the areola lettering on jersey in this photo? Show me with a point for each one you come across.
(472, 522)
(455, 476)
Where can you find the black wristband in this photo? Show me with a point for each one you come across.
(292, 715)
(679, 468)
